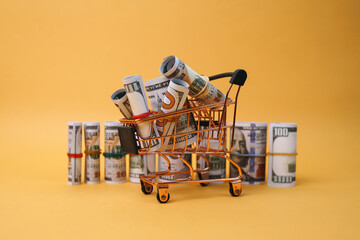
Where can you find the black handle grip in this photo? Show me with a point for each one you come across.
(238, 77)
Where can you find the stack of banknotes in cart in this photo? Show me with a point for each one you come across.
(169, 93)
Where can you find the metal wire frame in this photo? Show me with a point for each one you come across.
(215, 115)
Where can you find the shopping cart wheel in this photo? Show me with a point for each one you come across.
(235, 189)
(146, 188)
(200, 176)
(163, 195)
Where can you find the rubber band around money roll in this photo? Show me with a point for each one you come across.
(282, 154)
(109, 154)
(75, 155)
(93, 152)
(143, 115)
(248, 155)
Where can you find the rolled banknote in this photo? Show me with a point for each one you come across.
(115, 163)
(121, 101)
(74, 152)
(135, 92)
(217, 167)
(156, 90)
(211, 95)
(174, 100)
(141, 165)
(176, 165)
(282, 154)
(199, 86)
(249, 152)
(92, 144)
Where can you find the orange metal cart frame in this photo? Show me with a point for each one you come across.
(215, 117)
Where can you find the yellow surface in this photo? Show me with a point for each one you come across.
(61, 60)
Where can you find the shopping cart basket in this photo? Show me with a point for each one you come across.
(214, 115)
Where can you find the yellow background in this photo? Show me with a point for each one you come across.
(61, 60)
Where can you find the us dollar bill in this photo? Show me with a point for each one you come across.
(249, 151)
(199, 86)
(135, 92)
(157, 89)
(141, 165)
(174, 100)
(217, 167)
(115, 166)
(92, 143)
(211, 95)
(74, 147)
(121, 101)
(176, 165)
(282, 168)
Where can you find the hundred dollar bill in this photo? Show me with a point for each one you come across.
(199, 86)
(135, 92)
(121, 101)
(282, 168)
(115, 165)
(217, 167)
(211, 95)
(156, 90)
(141, 165)
(249, 152)
(176, 165)
(174, 100)
(74, 147)
(92, 143)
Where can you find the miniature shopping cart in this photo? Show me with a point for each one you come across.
(213, 115)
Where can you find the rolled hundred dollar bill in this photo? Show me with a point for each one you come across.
(135, 92)
(115, 163)
(282, 154)
(176, 165)
(199, 86)
(92, 145)
(156, 90)
(121, 101)
(217, 167)
(141, 165)
(174, 100)
(249, 152)
(74, 152)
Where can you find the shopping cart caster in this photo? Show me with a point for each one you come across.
(202, 176)
(163, 195)
(235, 189)
(146, 188)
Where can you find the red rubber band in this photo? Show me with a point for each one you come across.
(144, 115)
(75, 155)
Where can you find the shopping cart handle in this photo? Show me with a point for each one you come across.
(238, 77)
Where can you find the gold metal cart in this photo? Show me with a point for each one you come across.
(215, 117)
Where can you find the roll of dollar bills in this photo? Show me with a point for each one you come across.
(121, 101)
(135, 92)
(115, 163)
(249, 152)
(92, 145)
(199, 86)
(282, 154)
(157, 89)
(141, 165)
(74, 152)
(217, 167)
(174, 100)
(176, 165)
